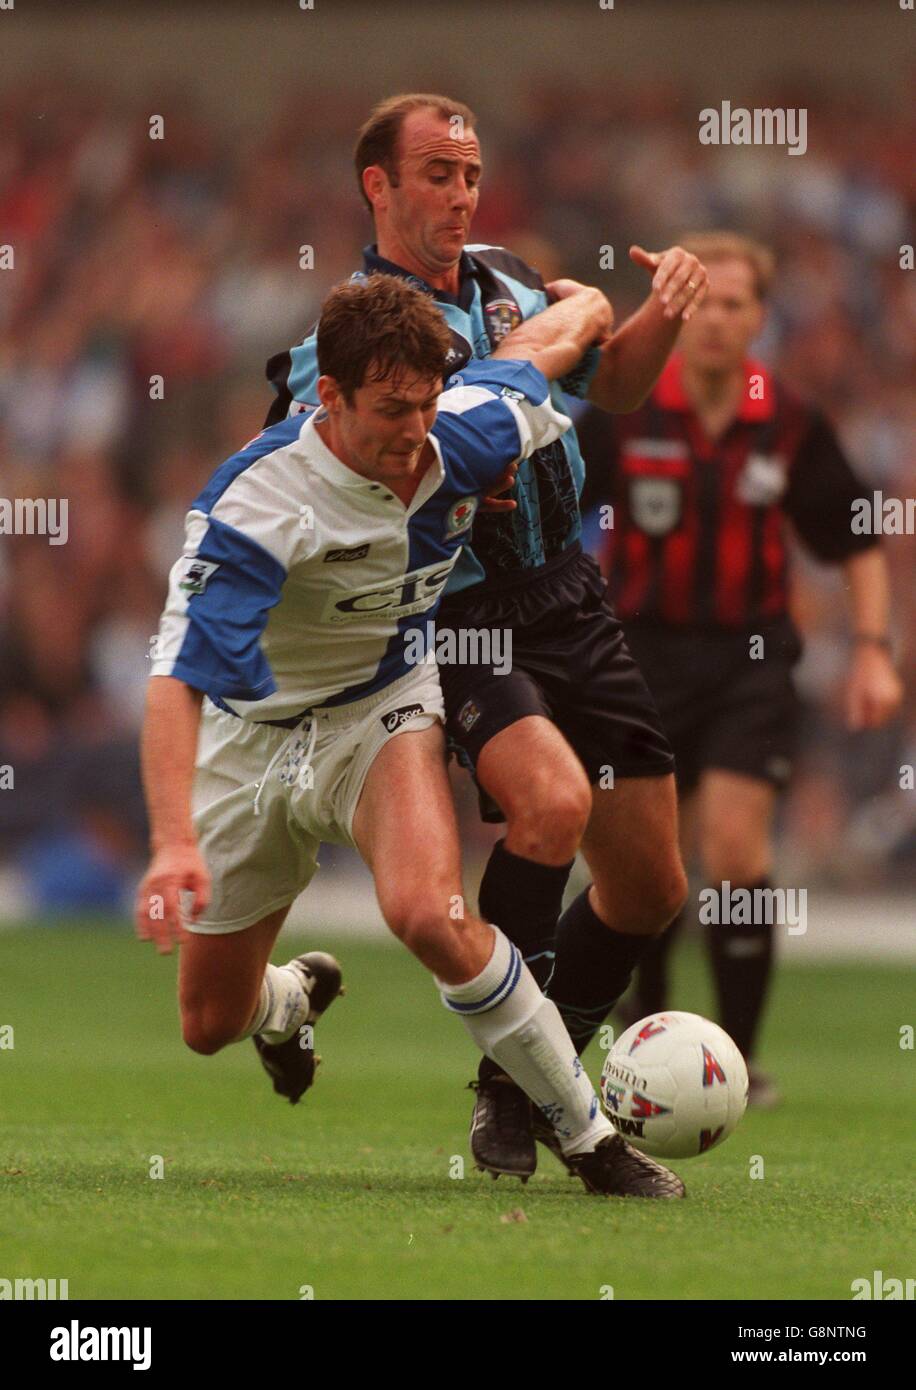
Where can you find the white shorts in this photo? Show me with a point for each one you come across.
(265, 798)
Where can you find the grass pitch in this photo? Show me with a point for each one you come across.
(352, 1195)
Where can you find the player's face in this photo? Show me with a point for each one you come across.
(717, 337)
(428, 213)
(382, 431)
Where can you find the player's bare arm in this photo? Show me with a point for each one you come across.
(634, 356)
(168, 750)
(874, 691)
(555, 340)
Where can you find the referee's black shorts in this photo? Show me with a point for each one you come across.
(722, 707)
(570, 663)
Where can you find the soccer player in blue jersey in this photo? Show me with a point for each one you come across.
(284, 710)
(568, 747)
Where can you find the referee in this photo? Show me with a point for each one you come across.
(701, 486)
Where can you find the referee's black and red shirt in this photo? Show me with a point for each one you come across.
(699, 535)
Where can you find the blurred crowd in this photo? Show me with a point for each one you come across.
(153, 277)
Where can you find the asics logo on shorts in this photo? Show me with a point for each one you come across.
(396, 717)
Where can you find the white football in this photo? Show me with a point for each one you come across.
(674, 1085)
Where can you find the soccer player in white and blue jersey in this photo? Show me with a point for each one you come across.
(283, 711)
(567, 747)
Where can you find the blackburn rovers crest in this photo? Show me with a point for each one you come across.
(460, 516)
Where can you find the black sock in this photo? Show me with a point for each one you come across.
(650, 994)
(742, 958)
(524, 899)
(593, 968)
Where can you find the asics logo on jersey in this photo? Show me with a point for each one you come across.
(359, 552)
(396, 717)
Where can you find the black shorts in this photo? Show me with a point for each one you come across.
(570, 663)
(720, 707)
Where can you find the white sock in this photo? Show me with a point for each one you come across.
(518, 1028)
(283, 1005)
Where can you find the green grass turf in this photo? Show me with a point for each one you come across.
(350, 1192)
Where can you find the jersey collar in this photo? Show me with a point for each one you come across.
(669, 392)
(337, 473)
(467, 274)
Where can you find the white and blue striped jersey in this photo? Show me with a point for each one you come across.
(299, 576)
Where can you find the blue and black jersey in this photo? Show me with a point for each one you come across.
(497, 291)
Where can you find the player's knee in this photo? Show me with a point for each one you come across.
(731, 855)
(546, 821)
(207, 1031)
(662, 897)
(420, 921)
(671, 889)
(652, 906)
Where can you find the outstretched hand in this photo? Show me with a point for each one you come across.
(679, 279)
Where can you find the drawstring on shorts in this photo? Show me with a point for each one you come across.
(284, 746)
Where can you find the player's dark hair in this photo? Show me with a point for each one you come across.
(377, 142)
(380, 326)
